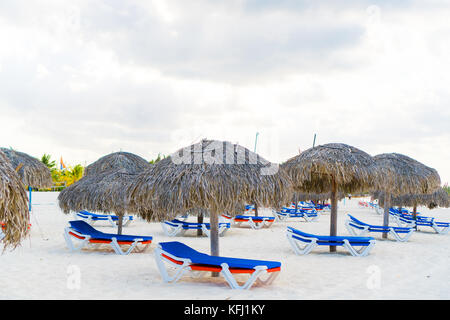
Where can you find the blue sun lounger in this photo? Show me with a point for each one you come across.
(359, 228)
(91, 218)
(303, 242)
(407, 220)
(308, 215)
(255, 222)
(88, 235)
(185, 258)
(179, 227)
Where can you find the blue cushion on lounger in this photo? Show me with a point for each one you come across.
(181, 250)
(86, 229)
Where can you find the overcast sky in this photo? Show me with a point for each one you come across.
(81, 79)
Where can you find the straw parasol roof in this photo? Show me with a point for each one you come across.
(332, 168)
(32, 171)
(402, 175)
(117, 160)
(102, 192)
(103, 187)
(13, 204)
(439, 198)
(170, 187)
(305, 196)
(314, 170)
(215, 175)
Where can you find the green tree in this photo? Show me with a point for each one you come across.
(159, 158)
(51, 164)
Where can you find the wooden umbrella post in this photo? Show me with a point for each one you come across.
(387, 205)
(119, 223)
(333, 214)
(415, 215)
(200, 220)
(214, 236)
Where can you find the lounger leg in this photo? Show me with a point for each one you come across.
(232, 281)
(440, 230)
(115, 245)
(352, 230)
(363, 251)
(299, 250)
(127, 221)
(400, 238)
(180, 269)
(112, 222)
(169, 230)
(70, 243)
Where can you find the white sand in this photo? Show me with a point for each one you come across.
(43, 268)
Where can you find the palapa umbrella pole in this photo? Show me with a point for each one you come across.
(200, 220)
(214, 236)
(387, 205)
(333, 214)
(415, 214)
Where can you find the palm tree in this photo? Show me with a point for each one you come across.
(45, 159)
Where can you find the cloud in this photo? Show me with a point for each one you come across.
(89, 78)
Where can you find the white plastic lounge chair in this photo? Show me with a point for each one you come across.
(407, 220)
(303, 243)
(84, 232)
(178, 227)
(184, 258)
(2, 235)
(308, 215)
(91, 218)
(359, 228)
(255, 222)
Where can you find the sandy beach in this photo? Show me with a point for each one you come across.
(44, 268)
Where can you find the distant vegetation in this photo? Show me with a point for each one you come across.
(62, 177)
(447, 188)
(159, 158)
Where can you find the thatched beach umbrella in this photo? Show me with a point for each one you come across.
(103, 192)
(32, 172)
(402, 175)
(13, 204)
(103, 188)
(214, 175)
(332, 168)
(117, 160)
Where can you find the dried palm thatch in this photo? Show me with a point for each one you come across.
(132, 163)
(306, 196)
(214, 175)
(439, 198)
(314, 170)
(13, 205)
(332, 168)
(32, 172)
(103, 192)
(402, 175)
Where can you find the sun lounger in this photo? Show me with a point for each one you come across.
(255, 222)
(2, 227)
(91, 218)
(308, 215)
(408, 220)
(178, 227)
(303, 243)
(184, 258)
(359, 228)
(81, 230)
